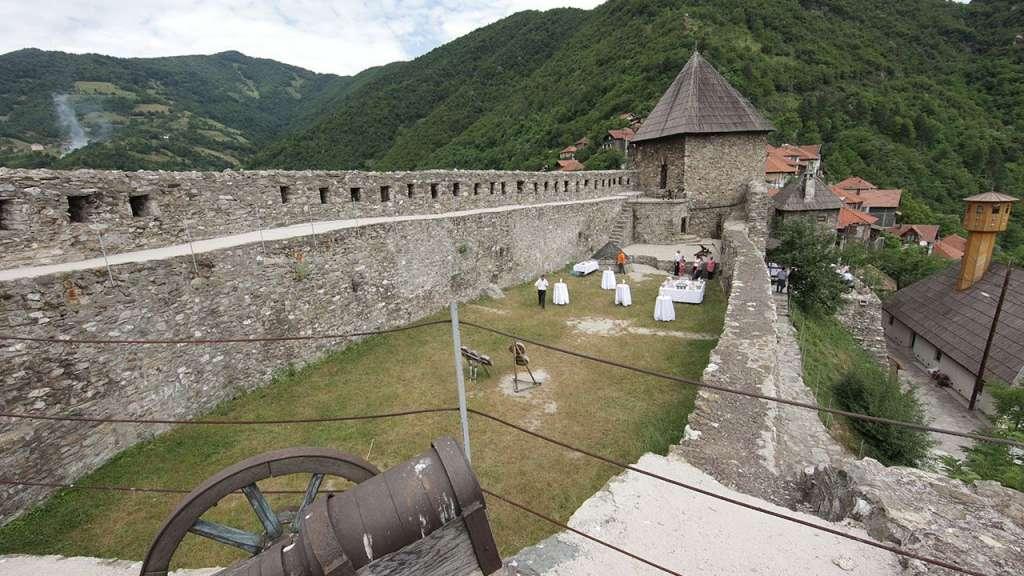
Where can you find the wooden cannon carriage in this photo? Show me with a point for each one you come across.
(424, 517)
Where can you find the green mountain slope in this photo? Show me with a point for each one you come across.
(173, 113)
(927, 95)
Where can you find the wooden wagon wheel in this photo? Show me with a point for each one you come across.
(187, 517)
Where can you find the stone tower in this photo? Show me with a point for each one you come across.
(703, 142)
(986, 216)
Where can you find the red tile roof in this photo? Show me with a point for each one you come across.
(569, 149)
(570, 165)
(951, 247)
(926, 232)
(855, 183)
(777, 165)
(804, 152)
(868, 197)
(622, 134)
(849, 217)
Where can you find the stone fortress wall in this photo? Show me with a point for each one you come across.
(56, 216)
(372, 275)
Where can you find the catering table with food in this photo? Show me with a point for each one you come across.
(687, 291)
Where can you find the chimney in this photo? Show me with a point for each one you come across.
(985, 217)
(808, 187)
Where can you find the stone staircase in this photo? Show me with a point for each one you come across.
(622, 221)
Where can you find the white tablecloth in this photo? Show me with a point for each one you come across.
(561, 294)
(664, 310)
(586, 267)
(608, 280)
(689, 292)
(622, 295)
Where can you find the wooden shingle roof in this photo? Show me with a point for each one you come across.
(701, 101)
(958, 322)
(792, 197)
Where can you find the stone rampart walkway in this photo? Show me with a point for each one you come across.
(268, 235)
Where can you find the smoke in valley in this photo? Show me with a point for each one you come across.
(68, 121)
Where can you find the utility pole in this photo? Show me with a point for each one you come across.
(979, 381)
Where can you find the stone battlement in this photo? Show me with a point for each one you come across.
(49, 216)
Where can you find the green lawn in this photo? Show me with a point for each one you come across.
(612, 411)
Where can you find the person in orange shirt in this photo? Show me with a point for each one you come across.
(621, 261)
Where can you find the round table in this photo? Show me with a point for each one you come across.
(664, 311)
(622, 295)
(561, 294)
(608, 280)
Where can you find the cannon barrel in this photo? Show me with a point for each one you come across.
(342, 532)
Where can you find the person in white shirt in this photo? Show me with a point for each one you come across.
(678, 257)
(542, 290)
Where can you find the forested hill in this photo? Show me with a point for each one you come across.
(927, 95)
(181, 112)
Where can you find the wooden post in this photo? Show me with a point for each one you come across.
(459, 380)
(979, 381)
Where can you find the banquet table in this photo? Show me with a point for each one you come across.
(622, 295)
(586, 267)
(664, 310)
(608, 280)
(561, 294)
(687, 291)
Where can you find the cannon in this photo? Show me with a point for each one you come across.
(424, 516)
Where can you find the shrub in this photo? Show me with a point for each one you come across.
(868, 390)
(987, 461)
(810, 252)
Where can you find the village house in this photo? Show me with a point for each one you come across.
(917, 234)
(807, 197)
(951, 247)
(945, 319)
(567, 153)
(570, 165)
(805, 158)
(862, 195)
(582, 143)
(778, 171)
(856, 226)
(620, 139)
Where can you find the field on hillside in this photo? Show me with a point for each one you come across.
(611, 411)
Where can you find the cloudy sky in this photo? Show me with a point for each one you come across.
(339, 36)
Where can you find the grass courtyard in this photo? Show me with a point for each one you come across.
(611, 411)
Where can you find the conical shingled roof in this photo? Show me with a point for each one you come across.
(701, 101)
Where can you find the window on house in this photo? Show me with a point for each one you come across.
(286, 194)
(139, 205)
(325, 194)
(385, 194)
(433, 191)
(5, 214)
(455, 189)
(663, 177)
(995, 209)
(410, 189)
(476, 189)
(356, 194)
(78, 208)
(822, 218)
(979, 209)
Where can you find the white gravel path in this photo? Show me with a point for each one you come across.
(18, 565)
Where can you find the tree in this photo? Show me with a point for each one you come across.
(811, 254)
(906, 264)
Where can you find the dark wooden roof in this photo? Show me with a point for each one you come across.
(791, 197)
(958, 322)
(701, 101)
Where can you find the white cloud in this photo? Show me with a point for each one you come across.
(339, 36)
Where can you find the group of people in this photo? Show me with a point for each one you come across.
(703, 268)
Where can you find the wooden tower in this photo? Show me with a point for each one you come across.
(987, 215)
